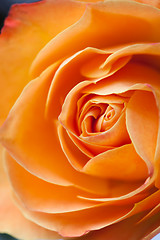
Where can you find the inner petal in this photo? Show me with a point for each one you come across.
(122, 163)
(116, 136)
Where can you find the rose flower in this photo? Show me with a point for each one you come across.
(80, 115)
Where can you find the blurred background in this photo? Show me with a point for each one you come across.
(6, 237)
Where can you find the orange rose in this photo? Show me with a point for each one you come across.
(82, 141)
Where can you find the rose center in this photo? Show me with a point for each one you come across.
(95, 117)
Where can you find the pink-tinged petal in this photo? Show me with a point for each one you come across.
(121, 163)
(142, 26)
(41, 154)
(26, 31)
(142, 123)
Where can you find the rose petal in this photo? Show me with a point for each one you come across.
(41, 196)
(74, 155)
(26, 23)
(14, 223)
(154, 3)
(41, 154)
(157, 152)
(151, 213)
(78, 223)
(70, 72)
(123, 80)
(142, 26)
(122, 192)
(142, 123)
(74, 224)
(121, 163)
(148, 203)
(11, 218)
(93, 103)
(90, 149)
(117, 135)
(127, 229)
(144, 53)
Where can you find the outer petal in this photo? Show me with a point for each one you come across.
(11, 219)
(142, 26)
(41, 196)
(74, 224)
(14, 223)
(78, 223)
(155, 3)
(27, 29)
(128, 229)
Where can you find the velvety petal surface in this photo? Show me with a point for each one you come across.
(142, 123)
(12, 220)
(142, 26)
(38, 195)
(74, 224)
(128, 229)
(121, 163)
(41, 154)
(27, 29)
(78, 223)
